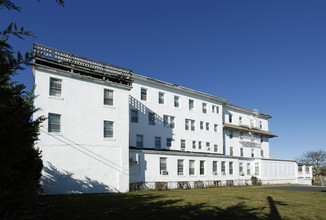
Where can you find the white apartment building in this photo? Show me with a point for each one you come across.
(110, 130)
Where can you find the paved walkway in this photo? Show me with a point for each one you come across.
(299, 188)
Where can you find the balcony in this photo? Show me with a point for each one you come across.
(250, 141)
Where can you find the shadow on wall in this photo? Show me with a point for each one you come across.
(55, 181)
(149, 206)
(160, 127)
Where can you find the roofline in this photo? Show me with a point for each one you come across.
(180, 88)
(41, 67)
(247, 110)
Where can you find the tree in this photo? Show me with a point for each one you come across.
(20, 161)
(316, 159)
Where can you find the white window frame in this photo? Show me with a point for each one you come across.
(54, 120)
(108, 132)
(143, 94)
(204, 107)
(134, 118)
(177, 101)
(54, 90)
(158, 142)
(141, 145)
(180, 167)
(191, 104)
(192, 165)
(202, 167)
(151, 118)
(108, 97)
(161, 97)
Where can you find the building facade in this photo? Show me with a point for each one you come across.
(110, 130)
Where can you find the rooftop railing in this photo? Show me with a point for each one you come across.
(41, 51)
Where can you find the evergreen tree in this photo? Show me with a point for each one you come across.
(20, 161)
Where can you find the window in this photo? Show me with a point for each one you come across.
(134, 115)
(157, 142)
(261, 139)
(262, 153)
(261, 125)
(151, 118)
(201, 125)
(230, 134)
(163, 166)
(180, 167)
(241, 135)
(108, 129)
(300, 169)
(161, 98)
(248, 168)
(199, 144)
(108, 97)
(241, 152)
(54, 122)
(215, 148)
(223, 168)
(55, 87)
(191, 104)
(214, 167)
(252, 153)
(169, 142)
(208, 145)
(256, 168)
(168, 121)
(143, 94)
(193, 144)
(191, 167)
(307, 169)
(204, 108)
(231, 151)
(230, 118)
(215, 109)
(139, 141)
(216, 127)
(202, 167)
(183, 144)
(176, 101)
(241, 168)
(231, 168)
(240, 120)
(189, 122)
(207, 126)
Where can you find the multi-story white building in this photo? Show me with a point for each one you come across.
(109, 129)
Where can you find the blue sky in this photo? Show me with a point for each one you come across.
(265, 55)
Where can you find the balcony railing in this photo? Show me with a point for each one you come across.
(249, 141)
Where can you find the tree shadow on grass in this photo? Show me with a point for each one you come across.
(148, 206)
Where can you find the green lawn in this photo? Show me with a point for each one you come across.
(219, 203)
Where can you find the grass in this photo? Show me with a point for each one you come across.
(220, 203)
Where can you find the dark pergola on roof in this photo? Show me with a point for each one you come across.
(65, 61)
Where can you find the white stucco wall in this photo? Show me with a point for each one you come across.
(79, 158)
(151, 104)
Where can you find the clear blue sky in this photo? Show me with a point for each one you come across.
(269, 55)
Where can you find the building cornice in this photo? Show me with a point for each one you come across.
(247, 110)
(177, 87)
